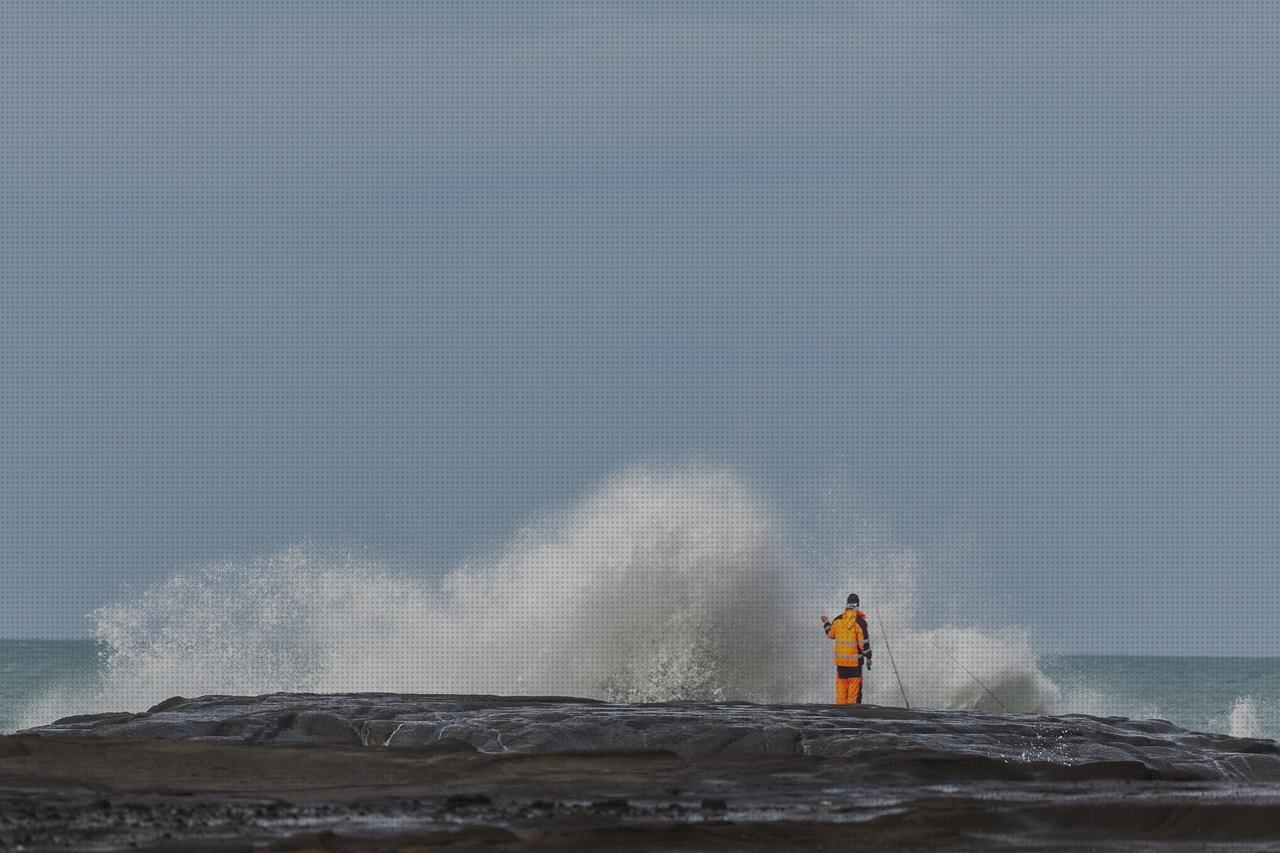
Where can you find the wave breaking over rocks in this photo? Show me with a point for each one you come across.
(384, 771)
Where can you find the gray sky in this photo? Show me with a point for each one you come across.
(394, 278)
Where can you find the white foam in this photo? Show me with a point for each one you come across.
(662, 583)
(1244, 720)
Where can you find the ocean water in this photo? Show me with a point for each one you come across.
(1236, 696)
(1239, 696)
(31, 669)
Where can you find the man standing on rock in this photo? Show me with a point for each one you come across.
(852, 649)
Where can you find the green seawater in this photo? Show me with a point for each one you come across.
(1239, 696)
(30, 669)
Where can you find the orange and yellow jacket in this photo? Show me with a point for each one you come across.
(853, 642)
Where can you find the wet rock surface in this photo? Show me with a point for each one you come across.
(384, 771)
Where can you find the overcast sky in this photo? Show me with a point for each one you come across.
(395, 276)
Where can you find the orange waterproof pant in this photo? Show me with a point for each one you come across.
(848, 690)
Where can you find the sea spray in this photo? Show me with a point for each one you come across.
(1243, 720)
(966, 668)
(662, 583)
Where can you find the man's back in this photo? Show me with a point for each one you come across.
(851, 649)
(849, 632)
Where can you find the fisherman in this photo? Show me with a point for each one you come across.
(852, 650)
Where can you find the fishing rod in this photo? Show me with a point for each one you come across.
(887, 648)
(975, 678)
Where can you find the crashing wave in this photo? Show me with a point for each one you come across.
(663, 583)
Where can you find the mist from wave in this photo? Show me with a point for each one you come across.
(661, 583)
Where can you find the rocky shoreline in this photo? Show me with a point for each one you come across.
(397, 772)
